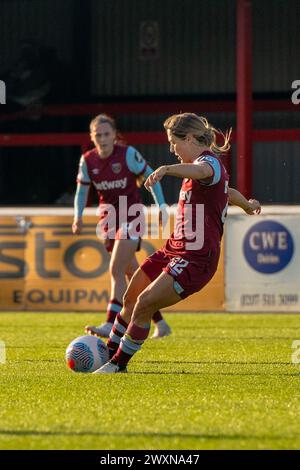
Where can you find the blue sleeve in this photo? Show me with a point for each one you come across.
(156, 190)
(215, 165)
(83, 176)
(135, 162)
(80, 200)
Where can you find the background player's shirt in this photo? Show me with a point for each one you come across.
(115, 179)
(113, 176)
(213, 194)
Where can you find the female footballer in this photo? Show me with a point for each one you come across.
(114, 170)
(183, 265)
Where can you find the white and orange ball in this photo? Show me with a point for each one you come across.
(86, 354)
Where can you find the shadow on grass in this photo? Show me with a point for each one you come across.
(191, 327)
(14, 432)
(231, 374)
(161, 363)
(245, 363)
(183, 363)
(37, 361)
(233, 338)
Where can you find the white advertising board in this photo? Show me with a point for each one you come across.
(262, 261)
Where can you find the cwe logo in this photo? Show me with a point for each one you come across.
(268, 247)
(2, 92)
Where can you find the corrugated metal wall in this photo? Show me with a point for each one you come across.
(195, 56)
(197, 42)
(190, 32)
(276, 44)
(276, 172)
(49, 23)
(197, 46)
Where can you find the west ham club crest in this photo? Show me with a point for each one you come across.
(116, 167)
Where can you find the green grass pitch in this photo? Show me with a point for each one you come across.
(221, 381)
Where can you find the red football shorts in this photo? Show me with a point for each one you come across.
(190, 273)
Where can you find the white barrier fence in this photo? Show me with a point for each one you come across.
(262, 261)
(259, 272)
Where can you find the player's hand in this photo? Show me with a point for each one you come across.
(155, 177)
(253, 207)
(77, 226)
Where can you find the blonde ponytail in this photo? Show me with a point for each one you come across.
(182, 124)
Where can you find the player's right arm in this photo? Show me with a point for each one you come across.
(81, 196)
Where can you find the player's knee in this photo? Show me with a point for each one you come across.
(143, 308)
(128, 300)
(144, 301)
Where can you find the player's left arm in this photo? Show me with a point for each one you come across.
(138, 165)
(251, 206)
(200, 171)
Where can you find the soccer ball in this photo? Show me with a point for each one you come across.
(86, 354)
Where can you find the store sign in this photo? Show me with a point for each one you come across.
(46, 267)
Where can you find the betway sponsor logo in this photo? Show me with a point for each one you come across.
(115, 184)
(185, 196)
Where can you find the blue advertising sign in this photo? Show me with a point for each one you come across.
(268, 247)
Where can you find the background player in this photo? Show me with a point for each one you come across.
(114, 170)
(176, 271)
